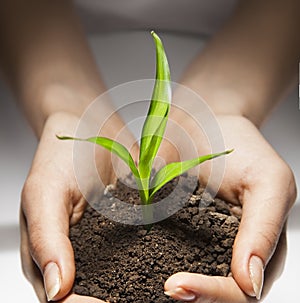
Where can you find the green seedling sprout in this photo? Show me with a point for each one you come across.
(151, 137)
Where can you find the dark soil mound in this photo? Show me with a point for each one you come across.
(125, 263)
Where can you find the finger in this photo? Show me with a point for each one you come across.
(191, 287)
(276, 265)
(30, 269)
(47, 214)
(34, 275)
(265, 208)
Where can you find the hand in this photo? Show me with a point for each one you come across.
(262, 183)
(51, 202)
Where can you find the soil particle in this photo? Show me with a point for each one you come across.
(126, 263)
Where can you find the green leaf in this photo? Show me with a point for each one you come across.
(114, 147)
(175, 169)
(122, 152)
(152, 135)
(155, 123)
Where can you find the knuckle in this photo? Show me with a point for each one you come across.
(288, 183)
(28, 189)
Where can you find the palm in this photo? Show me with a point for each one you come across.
(256, 179)
(53, 198)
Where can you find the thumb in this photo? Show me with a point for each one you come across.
(265, 209)
(192, 287)
(44, 237)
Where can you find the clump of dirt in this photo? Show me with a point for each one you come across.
(127, 263)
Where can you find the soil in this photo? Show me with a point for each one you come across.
(128, 263)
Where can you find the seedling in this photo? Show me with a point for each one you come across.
(151, 137)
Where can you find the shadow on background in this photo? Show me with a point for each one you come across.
(294, 217)
(9, 237)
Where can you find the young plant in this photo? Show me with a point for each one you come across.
(151, 137)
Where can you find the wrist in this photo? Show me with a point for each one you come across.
(224, 99)
(61, 98)
(85, 114)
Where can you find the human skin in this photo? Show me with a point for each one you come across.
(55, 79)
(49, 66)
(241, 74)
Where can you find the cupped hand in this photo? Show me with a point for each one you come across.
(257, 179)
(51, 202)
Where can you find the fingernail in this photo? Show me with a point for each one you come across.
(180, 293)
(52, 280)
(256, 269)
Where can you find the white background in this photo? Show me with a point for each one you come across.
(124, 57)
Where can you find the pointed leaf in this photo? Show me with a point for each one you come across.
(175, 169)
(155, 124)
(113, 146)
